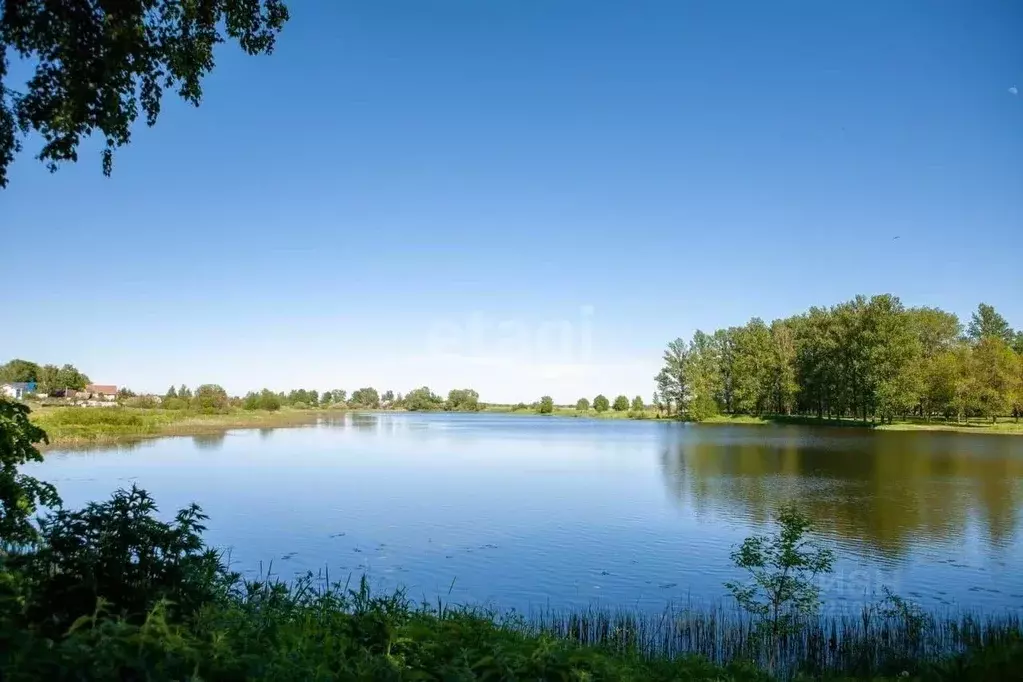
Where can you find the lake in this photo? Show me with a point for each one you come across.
(532, 512)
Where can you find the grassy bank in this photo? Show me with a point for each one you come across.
(1002, 426)
(71, 426)
(1007, 426)
(273, 631)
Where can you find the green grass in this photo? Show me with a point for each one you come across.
(272, 631)
(71, 426)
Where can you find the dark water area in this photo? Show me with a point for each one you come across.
(531, 512)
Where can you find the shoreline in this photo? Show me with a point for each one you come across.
(75, 427)
(138, 424)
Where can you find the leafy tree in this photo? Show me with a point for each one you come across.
(673, 381)
(326, 398)
(125, 393)
(69, 377)
(546, 405)
(601, 403)
(637, 404)
(20, 495)
(620, 404)
(986, 323)
(783, 568)
(1017, 343)
(339, 396)
(19, 371)
(995, 371)
(582, 405)
(422, 400)
(753, 377)
(98, 65)
(211, 398)
(387, 397)
(366, 397)
(703, 371)
(171, 393)
(463, 400)
(48, 379)
(184, 393)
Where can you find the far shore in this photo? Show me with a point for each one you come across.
(69, 427)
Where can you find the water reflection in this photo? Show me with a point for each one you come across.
(885, 491)
(209, 441)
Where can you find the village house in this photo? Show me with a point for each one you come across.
(106, 392)
(18, 389)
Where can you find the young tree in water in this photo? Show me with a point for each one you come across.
(783, 569)
(98, 65)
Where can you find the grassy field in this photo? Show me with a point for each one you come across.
(71, 426)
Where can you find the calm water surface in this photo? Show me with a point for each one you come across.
(524, 512)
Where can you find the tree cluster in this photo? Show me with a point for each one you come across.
(871, 359)
(48, 378)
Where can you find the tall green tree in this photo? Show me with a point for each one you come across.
(703, 371)
(637, 404)
(893, 380)
(752, 380)
(582, 405)
(987, 323)
(68, 376)
(782, 374)
(673, 380)
(601, 403)
(18, 370)
(620, 404)
(996, 373)
(98, 65)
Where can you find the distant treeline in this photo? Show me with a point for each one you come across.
(870, 359)
(419, 399)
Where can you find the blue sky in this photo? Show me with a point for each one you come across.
(528, 196)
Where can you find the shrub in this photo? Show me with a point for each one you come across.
(118, 551)
(20, 495)
(601, 403)
(174, 404)
(211, 399)
(582, 405)
(621, 404)
(546, 405)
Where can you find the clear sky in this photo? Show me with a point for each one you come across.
(528, 196)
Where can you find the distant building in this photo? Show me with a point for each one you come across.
(100, 391)
(18, 389)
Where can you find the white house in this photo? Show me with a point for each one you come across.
(17, 389)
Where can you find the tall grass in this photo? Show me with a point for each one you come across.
(871, 642)
(69, 426)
